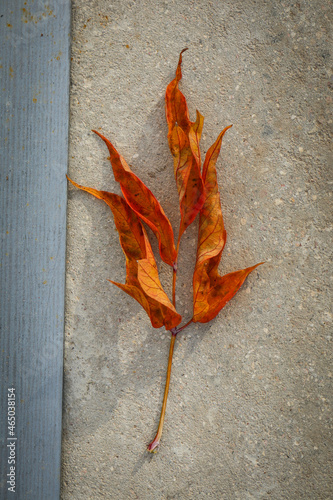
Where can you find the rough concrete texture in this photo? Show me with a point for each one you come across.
(248, 414)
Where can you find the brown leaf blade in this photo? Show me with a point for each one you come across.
(211, 292)
(222, 289)
(212, 235)
(175, 103)
(149, 281)
(141, 269)
(160, 315)
(130, 229)
(184, 138)
(143, 202)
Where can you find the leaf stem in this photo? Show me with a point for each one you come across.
(178, 330)
(156, 441)
(174, 276)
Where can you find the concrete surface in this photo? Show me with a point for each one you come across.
(248, 415)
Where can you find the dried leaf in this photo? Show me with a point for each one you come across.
(184, 137)
(221, 289)
(142, 281)
(143, 202)
(211, 291)
(161, 313)
(175, 103)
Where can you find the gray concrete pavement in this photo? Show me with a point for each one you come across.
(249, 408)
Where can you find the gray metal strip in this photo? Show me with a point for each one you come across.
(34, 90)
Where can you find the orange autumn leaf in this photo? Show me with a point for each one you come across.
(221, 289)
(152, 298)
(211, 292)
(143, 202)
(136, 246)
(184, 138)
(146, 278)
(212, 235)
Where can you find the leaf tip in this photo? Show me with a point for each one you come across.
(73, 182)
(178, 71)
(97, 133)
(225, 129)
(260, 263)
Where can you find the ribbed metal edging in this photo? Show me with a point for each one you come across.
(34, 70)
